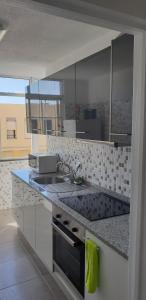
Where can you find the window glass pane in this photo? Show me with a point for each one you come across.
(12, 85)
(51, 108)
(50, 87)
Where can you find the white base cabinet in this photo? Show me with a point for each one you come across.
(34, 218)
(30, 197)
(29, 224)
(17, 192)
(18, 215)
(113, 274)
(44, 234)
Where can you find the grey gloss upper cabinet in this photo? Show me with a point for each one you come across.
(91, 99)
(66, 77)
(50, 94)
(43, 107)
(122, 89)
(33, 109)
(93, 96)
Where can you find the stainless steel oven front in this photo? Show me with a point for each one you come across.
(69, 248)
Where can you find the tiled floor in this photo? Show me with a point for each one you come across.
(20, 278)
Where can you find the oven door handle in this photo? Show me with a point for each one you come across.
(65, 236)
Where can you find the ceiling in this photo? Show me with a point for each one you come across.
(35, 39)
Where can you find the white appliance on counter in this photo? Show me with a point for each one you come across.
(43, 162)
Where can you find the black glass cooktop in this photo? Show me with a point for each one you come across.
(97, 206)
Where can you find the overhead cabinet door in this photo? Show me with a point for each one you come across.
(92, 96)
(122, 89)
(50, 92)
(33, 109)
(66, 77)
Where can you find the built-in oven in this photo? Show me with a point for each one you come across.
(69, 248)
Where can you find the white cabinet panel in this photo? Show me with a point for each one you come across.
(17, 192)
(29, 224)
(17, 200)
(34, 219)
(44, 234)
(113, 274)
(18, 215)
(31, 197)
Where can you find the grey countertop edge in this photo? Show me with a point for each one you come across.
(90, 226)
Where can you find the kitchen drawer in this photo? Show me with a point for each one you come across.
(43, 218)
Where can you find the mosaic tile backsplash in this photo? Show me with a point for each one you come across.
(6, 180)
(102, 164)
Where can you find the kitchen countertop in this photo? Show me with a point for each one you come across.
(112, 231)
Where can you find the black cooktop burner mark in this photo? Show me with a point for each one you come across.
(97, 206)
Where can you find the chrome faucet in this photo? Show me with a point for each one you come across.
(71, 175)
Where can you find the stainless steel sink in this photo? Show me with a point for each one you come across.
(56, 184)
(45, 180)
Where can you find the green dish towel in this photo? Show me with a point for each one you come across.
(92, 266)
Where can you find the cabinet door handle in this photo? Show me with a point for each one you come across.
(65, 236)
(51, 130)
(121, 134)
(37, 129)
(81, 132)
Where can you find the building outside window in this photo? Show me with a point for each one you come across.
(14, 139)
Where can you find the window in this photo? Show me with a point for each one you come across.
(11, 128)
(50, 87)
(14, 139)
(12, 113)
(11, 134)
(48, 126)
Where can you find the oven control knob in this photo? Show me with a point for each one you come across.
(66, 222)
(74, 229)
(58, 216)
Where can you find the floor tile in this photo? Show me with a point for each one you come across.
(8, 234)
(54, 288)
(11, 251)
(34, 289)
(6, 217)
(17, 271)
(20, 278)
